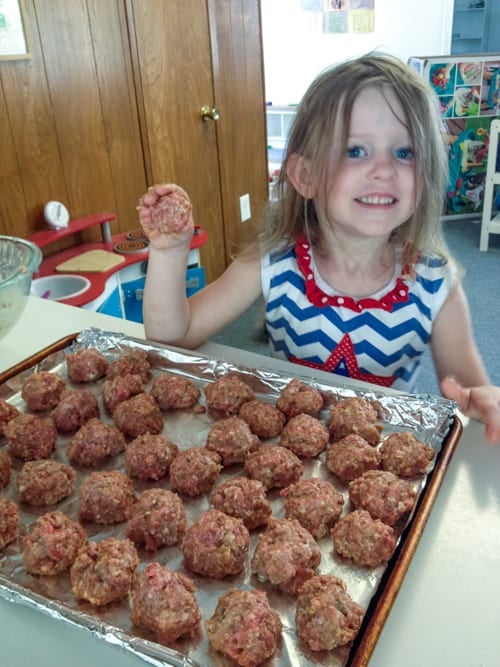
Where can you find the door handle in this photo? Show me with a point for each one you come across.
(209, 113)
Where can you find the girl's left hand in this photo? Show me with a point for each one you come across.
(481, 403)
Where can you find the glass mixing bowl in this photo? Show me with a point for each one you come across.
(19, 260)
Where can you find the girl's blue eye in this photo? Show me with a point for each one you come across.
(404, 154)
(355, 151)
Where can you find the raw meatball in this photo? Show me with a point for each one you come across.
(264, 419)
(175, 392)
(158, 519)
(74, 409)
(326, 616)
(227, 394)
(51, 544)
(298, 397)
(305, 436)
(274, 466)
(366, 541)
(106, 497)
(244, 499)
(232, 439)
(314, 503)
(351, 457)
(31, 437)
(7, 412)
(135, 362)
(354, 415)
(195, 471)
(120, 388)
(244, 627)
(5, 468)
(45, 482)
(42, 390)
(384, 495)
(138, 415)
(86, 365)
(95, 442)
(286, 555)
(163, 602)
(404, 455)
(9, 522)
(216, 545)
(104, 571)
(149, 456)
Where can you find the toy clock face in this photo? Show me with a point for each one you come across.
(56, 214)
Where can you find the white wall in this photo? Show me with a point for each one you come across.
(296, 49)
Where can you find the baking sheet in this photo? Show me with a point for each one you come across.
(432, 418)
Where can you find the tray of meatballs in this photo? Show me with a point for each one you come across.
(197, 512)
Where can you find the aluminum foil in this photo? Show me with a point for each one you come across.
(430, 417)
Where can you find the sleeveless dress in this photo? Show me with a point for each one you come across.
(378, 339)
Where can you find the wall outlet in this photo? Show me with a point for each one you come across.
(245, 211)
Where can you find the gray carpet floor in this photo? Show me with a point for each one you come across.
(481, 283)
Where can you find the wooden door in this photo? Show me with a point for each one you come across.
(173, 63)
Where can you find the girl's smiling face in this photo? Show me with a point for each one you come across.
(374, 190)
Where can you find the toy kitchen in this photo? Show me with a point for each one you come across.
(106, 275)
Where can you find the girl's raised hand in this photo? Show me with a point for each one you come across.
(165, 215)
(481, 403)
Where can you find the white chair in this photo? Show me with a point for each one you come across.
(489, 224)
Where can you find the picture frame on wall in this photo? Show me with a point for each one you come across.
(14, 43)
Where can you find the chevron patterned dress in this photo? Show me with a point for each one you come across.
(378, 339)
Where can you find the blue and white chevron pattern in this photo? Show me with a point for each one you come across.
(373, 344)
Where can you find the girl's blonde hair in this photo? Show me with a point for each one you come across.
(324, 112)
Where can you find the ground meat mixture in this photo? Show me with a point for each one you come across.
(232, 439)
(355, 415)
(326, 616)
(351, 456)
(274, 466)
(86, 365)
(149, 456)
(120, 388)
(384, 495)
(216, 545)
(315, 504)
(175, 392)
(227, 394)
(134, 362)
(366, 541)
(7, 412)
(138, 415)
(305, 436)
(9, 522)
(158, 519)
(298, 398)
(244, 499)
(5, 468)
(41, 390)
(104, 571)
(163, 602)
(31, 437)
(45, 482)
(195, 471)
(264, 419)
(106, 497)
(51, 544)
(95, 442)
(244, 627)
(286, 555)
(405, 455)
(74, 409)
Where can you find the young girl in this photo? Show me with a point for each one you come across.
(354, 271)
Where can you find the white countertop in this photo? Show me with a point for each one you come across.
(447, 613)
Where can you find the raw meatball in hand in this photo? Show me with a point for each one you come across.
(165, 216)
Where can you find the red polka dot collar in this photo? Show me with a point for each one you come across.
(319, 298)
